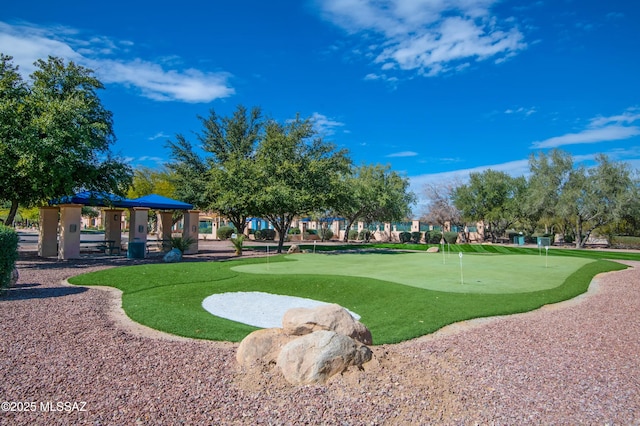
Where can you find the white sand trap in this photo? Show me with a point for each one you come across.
(264, 310)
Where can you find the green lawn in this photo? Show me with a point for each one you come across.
(169, 297)
(473, 273)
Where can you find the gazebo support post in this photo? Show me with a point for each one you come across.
(191, 229)
(48, 235)
(165, 222)
(70, 220)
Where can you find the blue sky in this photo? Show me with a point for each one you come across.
(435, 88)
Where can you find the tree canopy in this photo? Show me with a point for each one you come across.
(60, 141)
(374, 193)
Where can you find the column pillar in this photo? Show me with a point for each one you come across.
(70, 220)
(165, 222)
(112, 222)
(191, 229)
(48, 235)
(138, 223)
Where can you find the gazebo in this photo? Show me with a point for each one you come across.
(65, 244)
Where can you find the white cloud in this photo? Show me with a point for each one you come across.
(600, 129)
(159, 135)
(402, 154)
(27, 43)
(325, 125)
(428, 36)
(521, 110)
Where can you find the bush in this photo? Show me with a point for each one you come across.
(353, 234)
(405, 237)
(181, 244)
(416, 236)
(312, 231)
(365, 235)
(451, 237)
(8, 255)
(265, 234)
(237, 244)
(294, 231)
(625, 242)
(326, 234)
(432, 237)
(224, 232)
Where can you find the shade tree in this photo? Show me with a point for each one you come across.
(60, 141)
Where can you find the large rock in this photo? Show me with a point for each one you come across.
(433, 250)
(315, 357)
(293, 249)
(262, 347)
(302, 321)
(172, 256)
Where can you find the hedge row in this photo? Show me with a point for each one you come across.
(8, 255)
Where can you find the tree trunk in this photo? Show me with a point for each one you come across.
(579, 242)
(346, 232)
(12, 213)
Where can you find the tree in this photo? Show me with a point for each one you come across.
(493, 197)
(586, 198)
(596, 197)
(374, 193)
(151, 181)
(549, 175)
(440, 209)
(298, 172)
(62, 138)
(225, 180)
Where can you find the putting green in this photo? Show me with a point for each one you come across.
(471, 273)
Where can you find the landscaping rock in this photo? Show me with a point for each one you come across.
(172, 256)
(315, 357)
(433, 249)
(293, 249)
(262, 347)
(302, 321)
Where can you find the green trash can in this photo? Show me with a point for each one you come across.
(136, 250)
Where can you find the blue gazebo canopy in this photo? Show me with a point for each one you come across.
(101, 199)
(158, 202)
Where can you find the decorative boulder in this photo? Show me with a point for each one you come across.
(293, 249)
(433, 249)
(302, 321)
(174, 255)
(14, 277)
(262, 347)
(315, 357)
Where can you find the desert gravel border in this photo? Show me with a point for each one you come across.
(570, 363)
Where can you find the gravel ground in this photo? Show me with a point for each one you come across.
(571, 363)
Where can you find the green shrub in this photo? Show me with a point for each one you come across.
(433, 237)
(365, 235)
(451, 237)
(353, 234)
(416, 236)
(265, 234)
(326, 234)
(8, 255)
(625, 242)
(294, 231)
(312, 231)
(405, 237)
(224, 232)
(181, 244)
(237, 244)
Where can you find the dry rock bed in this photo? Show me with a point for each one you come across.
(571, 363)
